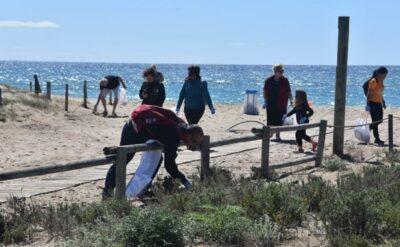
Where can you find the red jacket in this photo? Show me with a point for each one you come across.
(145, 115)
(283, 92)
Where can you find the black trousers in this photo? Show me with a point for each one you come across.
(376, 112)
(128, 137)
(300, 136)
(193, 116)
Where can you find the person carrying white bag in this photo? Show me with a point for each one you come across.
(156, 123)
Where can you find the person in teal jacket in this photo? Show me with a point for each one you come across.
(196, 95)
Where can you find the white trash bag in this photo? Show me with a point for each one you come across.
(290, 120)
(142, 179)
(122, 96)
(362, 132)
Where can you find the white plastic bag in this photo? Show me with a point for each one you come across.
(122, 96)
(290, 120)
(143, 177)
(362, 132)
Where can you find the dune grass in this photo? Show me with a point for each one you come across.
(359, 210)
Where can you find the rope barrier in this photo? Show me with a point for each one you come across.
(249, 121)
(355, 126)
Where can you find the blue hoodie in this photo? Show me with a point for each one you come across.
(196, 95)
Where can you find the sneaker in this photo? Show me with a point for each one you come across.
(314, 146)
(106, 194)
(105, 113)
(379, 142)
(300, 150)
(187, 185)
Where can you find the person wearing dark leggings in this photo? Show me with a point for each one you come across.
(303, 112)
(196, 95)
(375, 101)
(153, 122)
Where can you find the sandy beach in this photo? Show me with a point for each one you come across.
(32, 137)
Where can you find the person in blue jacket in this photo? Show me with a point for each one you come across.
(196, 95)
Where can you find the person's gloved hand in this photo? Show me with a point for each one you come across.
(213, 111)
(384, 104)
(284, 117)
(303, 120)
(367, 107)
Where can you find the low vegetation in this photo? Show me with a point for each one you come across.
(359, 210)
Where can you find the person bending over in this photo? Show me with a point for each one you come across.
(152, 91)
(153, 122)
(303, 112)
(109, 85)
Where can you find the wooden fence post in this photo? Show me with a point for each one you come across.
(66, 97)
(205, 158)
(341, 80)
(120, 182)
(38, 90)
(30, 86)
(265, 152)
(390, 125)
(48, 90)
(1, 98)
(85, 94)
(321, 143)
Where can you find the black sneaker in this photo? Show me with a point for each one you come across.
(379, 142)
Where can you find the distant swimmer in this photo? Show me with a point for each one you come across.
(109, 85)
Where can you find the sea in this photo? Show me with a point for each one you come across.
(227, 83)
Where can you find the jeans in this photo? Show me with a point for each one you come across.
(300, 136)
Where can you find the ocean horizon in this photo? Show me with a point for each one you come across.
(227, 83)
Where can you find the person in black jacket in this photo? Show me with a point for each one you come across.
(152, 91)
(303, 113)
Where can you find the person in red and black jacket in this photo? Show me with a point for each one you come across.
(153, 122)
(277, 92)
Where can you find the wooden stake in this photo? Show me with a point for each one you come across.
(390, 125)
(38, 90)
(85, 94)
(321, 143)
(66, 97)
(120, 177)
(205, 158)
(341, 80)
(265, 152)
(48, 90)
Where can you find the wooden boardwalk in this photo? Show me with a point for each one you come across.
(32, 186)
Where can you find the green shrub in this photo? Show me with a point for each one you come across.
(391, 218)
(151, 227)
(314, 191)
(225, 225)
(266, 232)
(277, 201)
(350, 240)
(353, 213)
(335, 165)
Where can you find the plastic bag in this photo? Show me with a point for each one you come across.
(290, 120)
(122, 96)
(143, 177)
(362, 132)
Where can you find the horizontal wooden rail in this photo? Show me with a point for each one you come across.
(234, 140)
(133, 148)
(38, 171)
(294, 127)
(293, 163)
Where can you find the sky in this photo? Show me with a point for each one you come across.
(293, 32)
